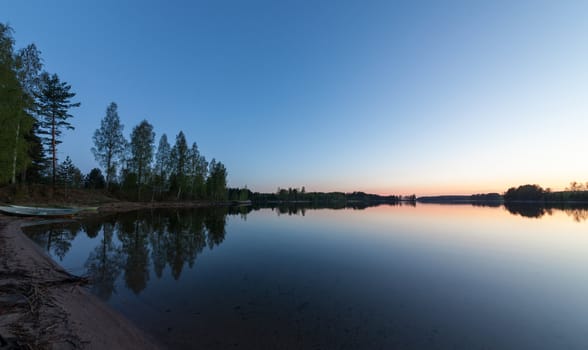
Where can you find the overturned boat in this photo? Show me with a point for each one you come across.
(38, 211)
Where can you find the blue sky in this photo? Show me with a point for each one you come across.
(399, 97)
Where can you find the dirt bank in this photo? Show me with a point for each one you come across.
(44, 307)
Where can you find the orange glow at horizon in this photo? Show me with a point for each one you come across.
(458, 184)
(460, 189)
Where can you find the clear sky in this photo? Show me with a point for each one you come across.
(402, 97)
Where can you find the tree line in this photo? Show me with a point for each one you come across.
(301, 195)
(137, 170)
(576, 192)
(35, 109)
(138, 245)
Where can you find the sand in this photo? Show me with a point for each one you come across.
(44, 307)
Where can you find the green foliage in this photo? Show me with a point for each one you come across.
(197, 169)
(188, 170)
(216, 184)
(239, 194)
(179, 172)
(129, 186)
(109, 142)
(28, 148)
(37, 169)
(95, 179)
(295, 195)
(489, 197)
(178, 160)
(17, 77)
(525, 192)
(162, 165)
(179, 155)
(53, 105)
(69, 175)
(142, 139)
(35, 109)
(577, 192)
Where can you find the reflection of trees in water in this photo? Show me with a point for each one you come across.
(490, 204)
(56, 238)
(152, 240)
(158, 246)
(92, 226)
(184, 239)
(137, 243)
(300, 208)
(60, 241)
(528, 210)
(579, 212)
(105, 263)
(133, 237)
(215, 224)
(290, 210)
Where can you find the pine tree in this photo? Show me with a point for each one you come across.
(94, 179)
(54, 102)
(69, 175)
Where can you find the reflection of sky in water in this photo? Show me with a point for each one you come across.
(437, 277)
(74, 260)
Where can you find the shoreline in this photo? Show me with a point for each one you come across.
(44, 307)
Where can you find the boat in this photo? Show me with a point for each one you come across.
(38, 211)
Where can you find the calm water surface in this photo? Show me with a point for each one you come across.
(387, 277)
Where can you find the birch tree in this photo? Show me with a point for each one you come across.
(109, 142)
(142, 139)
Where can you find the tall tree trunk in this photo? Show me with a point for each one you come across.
(107, 175)
(140, 166)
(53, 149)
(13, 178)
(161, 183)
(108, 165)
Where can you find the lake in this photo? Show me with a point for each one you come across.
(386, 277)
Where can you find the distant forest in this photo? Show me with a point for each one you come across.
(35, 109)
(295, 195)
(576, 192)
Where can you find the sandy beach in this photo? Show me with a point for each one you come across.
(44, 307)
